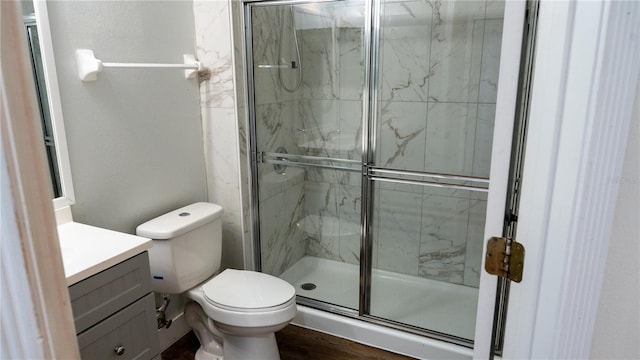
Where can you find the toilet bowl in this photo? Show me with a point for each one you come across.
(247, 308)
(235, 313)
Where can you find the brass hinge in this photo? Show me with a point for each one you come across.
(505, 257)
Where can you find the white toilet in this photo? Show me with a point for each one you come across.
(239, 311)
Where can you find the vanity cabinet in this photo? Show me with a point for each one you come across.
(114, 312)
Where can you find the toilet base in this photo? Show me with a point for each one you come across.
(209, 337)
(242, 347)
(202, 354)
(259, 344)
(251, 347)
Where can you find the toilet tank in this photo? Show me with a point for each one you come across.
(187, 246)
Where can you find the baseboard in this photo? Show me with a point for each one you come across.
(175, 332)
(396, 341)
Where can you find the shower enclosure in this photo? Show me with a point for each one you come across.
(371, 136)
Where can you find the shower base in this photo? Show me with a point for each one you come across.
(434, 305)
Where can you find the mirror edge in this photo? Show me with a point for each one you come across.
(55, 105)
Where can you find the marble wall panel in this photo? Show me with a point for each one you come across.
(323, 237)
(330, 113)
(490, 61)
(317, 18)
(401, 135)
(444, 238)
(350, 126)
(212, 19)
(349, 210)
(268, 89)
(222, 135)
(240, 83)
(274, 127)
(232, 240)
(398, 225)
(448, 192)
(330, 176)
(220, 158)
(272, 246)
(439, 60)
(282, 243)
(351, 62)
(270, 48)
(332, 217)
(318, 127)
(245, 183)
(405, 50)
(321, 198)
(484, 140)
(321, 219)
(475, 243)
(450, 138)
(350, 13)
(272, 183)
(319, 51)
(456, 50)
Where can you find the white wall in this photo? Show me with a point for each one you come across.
(617, 327)
(134, 136)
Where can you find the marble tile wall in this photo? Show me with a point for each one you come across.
(436, 103)
(237, 27)
(331, 110)
(439, 63)
(320, 118)
(219, 110)
(282, 199)
(439, 67)
(282, 193)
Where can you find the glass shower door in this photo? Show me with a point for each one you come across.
(434, 110)
(371, 140)
(308, 78)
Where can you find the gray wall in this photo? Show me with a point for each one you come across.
(135, 135)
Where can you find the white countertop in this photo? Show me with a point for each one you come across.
(87, 250)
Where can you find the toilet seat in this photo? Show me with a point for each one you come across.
(246, 299)
(245, 310)
(248, 291)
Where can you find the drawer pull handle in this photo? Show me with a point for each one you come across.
(119, 350)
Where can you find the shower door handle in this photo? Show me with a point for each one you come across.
(293, 65)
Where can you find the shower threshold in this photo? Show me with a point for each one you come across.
(424, 303)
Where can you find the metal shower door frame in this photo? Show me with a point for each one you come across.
(369, 171)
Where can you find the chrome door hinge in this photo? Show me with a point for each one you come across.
(505, 257)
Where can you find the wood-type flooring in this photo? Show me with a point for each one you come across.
(296, 343)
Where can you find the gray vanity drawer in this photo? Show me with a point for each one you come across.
(103, 294)
(133, 329)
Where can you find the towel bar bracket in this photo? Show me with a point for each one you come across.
(89, 66)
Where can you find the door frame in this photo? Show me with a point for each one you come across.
(582, 97)
(506, 106)
(532, 323)
(38, 320)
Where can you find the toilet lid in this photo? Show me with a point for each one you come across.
(247, 290)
